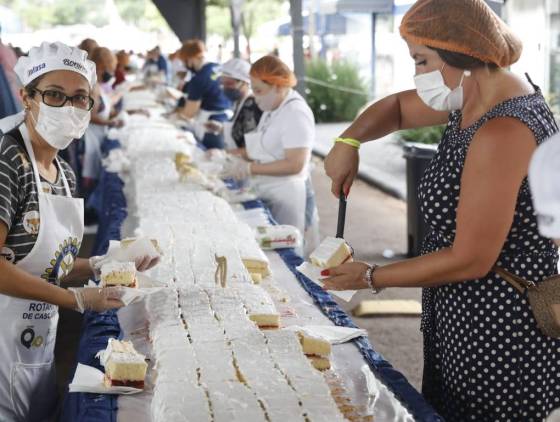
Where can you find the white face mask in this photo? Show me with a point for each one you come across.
(266, 101)
(432, 90)
(59, 126)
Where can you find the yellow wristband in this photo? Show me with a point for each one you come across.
(349, 141)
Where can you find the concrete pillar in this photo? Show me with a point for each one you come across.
(297, 35)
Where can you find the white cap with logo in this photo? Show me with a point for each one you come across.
(544, 180)
(54, 56)
(237, 69)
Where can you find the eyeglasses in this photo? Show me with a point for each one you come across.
(56, 98)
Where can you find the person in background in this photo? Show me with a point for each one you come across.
(8, 60)
(205, 99)
(123, 60)
(544, 174)
(279, 150)
(156, 64)
(103, 117)
(485, 357)
(88, 45)
(246, 114)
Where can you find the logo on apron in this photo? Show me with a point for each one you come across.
(29, 340)
(31, 222)
(63, 262)
(8, 254)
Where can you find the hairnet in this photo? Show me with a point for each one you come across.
(273, 71)
(468, 27)
(192, 49)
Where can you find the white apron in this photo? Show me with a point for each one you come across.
(284, 195)
(28, 328)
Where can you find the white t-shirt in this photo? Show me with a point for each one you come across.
(291, 125)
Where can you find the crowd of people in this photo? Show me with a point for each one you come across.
(486, 354)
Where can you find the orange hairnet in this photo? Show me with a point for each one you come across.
(192, 49)
(273, 71)
(468, 27)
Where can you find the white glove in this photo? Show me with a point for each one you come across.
(236, 168)
(142, 263)
(97, 299)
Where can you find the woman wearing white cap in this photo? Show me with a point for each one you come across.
(246, 112)
(41, 227)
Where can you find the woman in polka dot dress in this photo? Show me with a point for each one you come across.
(484, 357)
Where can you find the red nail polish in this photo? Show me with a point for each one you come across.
(325, 273)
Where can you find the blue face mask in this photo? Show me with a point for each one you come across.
(234, 94)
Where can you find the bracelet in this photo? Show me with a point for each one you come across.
(368, 277)
(349, 141)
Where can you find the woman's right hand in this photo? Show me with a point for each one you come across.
(97, 299)
(341, 165)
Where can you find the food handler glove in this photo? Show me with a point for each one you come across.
(97, 299)
(236, 168)
(142, 263)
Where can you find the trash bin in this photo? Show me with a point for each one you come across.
(418, 157)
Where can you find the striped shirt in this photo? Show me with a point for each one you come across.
(19, 207)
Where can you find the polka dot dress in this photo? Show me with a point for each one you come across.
(484, 357)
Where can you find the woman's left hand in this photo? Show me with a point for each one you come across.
(348, 276)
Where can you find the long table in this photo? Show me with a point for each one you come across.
(97, 328)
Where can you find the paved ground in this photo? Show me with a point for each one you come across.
(376, 222)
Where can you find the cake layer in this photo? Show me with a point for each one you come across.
(123, 363)
(320, 363)
(314, 345)
(118, 274)
(331, 252)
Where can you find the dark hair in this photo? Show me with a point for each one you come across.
(462, 61)
(32, 86)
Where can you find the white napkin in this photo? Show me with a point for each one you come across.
(331, 333)
(372, 388)
(88, 379)
(314, 274)
(142, 246)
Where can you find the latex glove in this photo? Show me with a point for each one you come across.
(98, 300)
(95, 263)
(236, 168)
(142, 263)
(341, 165)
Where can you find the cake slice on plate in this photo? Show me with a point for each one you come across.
(124, 366)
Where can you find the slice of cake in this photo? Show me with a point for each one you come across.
(124, 366)
(331, 252)
(317, 349)
(259, 306)
(118, 274)
(315, 346)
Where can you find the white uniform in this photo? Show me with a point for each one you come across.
(290, 126)
(27, 338)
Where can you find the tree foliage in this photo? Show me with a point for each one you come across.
(37, 14)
